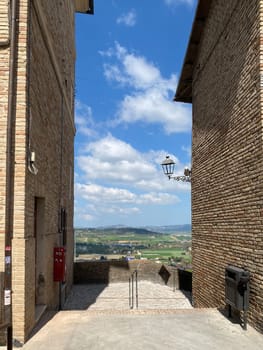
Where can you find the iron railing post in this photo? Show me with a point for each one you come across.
(132, 290)
(133, 284)
(136, 287)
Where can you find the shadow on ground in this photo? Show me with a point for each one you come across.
(83, 296)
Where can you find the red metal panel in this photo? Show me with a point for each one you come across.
(59, 264)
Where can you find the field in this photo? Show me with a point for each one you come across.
(119, 243)
(163, 254)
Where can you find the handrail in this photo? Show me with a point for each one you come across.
(133, 280)
(4, 325)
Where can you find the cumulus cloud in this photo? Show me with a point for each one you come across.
(128, 19)
(110, 195)
(150, 96)
(112, 160)
(115, 178)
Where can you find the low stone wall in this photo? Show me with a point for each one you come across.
(111, 271)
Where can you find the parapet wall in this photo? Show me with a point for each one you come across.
(111, 271)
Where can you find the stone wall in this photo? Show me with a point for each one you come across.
(227, 159)
(110, 271)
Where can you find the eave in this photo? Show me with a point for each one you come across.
(84, 6)
(184, 88)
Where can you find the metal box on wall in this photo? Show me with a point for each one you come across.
(59, 264)
(237, 287)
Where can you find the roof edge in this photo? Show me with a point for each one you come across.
(184, 87)
(80, 7)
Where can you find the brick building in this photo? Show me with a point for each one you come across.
(222, 78)
(37, 58)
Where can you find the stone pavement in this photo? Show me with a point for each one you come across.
(98, 317)
(116, 296)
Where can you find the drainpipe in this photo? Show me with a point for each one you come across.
(11, 117)
(61, 233)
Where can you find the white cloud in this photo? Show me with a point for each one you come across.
(188, 150)
(128, 19)
(110, 195)
(87, 217)
(84, 213)
(150, 99)
(112, 160)
(152, 106)
(131, 69)
(115, 178)
(84, 120)
(176, 2)
(120, 210)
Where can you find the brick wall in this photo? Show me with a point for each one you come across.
(45, 125)
(4, 76)
(227, 155)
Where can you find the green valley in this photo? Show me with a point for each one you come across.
(168, 245)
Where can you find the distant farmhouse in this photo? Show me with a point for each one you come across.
(222, 77)
(37, 58)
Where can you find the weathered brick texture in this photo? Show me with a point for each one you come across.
(4, 22)
(227, 181)
(4, 77)
(44, 125)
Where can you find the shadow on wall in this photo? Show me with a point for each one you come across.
(101, 272)
(165, 274)
(111, 271)
(185, 280)
(92, 277)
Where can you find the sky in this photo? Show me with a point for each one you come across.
(129, 59)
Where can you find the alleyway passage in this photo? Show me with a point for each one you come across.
(98, 317)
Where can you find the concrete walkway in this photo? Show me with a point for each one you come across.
(98, 317)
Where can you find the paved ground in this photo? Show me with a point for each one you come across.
(116, 296)
(99, 317)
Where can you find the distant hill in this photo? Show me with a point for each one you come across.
(171, 228)
(119, 230)
(145, 230)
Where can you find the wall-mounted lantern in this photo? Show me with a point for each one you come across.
(168, 169)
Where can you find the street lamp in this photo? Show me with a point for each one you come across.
(168, 169)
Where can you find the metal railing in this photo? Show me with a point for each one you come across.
(133, 290)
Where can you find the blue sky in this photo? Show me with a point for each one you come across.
(129, 58)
